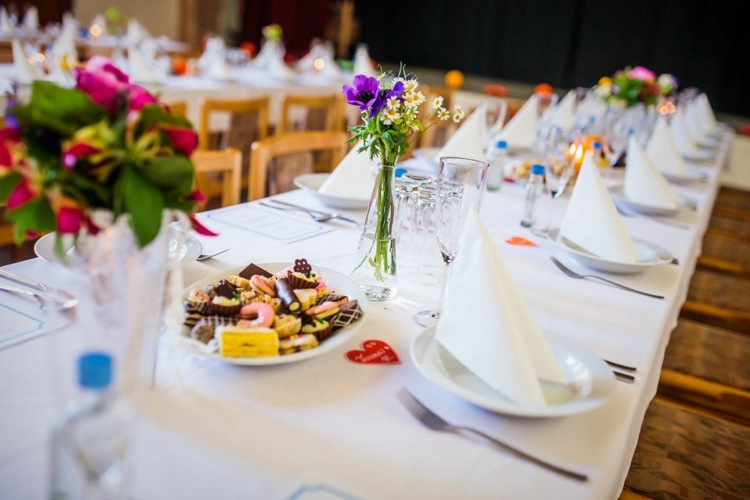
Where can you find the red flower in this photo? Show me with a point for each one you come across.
(70, 220)
(196, 196)
(139, 97)
(77, 151)
(7, 135)
(183, 139)
(102, 81)
(200, 228)
(20, 195)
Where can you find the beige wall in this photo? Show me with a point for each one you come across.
(159, 17)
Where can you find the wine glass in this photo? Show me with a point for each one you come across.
(461, 183)
(560, 167)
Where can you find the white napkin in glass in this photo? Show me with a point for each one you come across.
(362, 61)
(564, 113)
(139, 69)
(469, 140)
(662, 150)
(31, 19)
(25, 72)
(352, 177)
(520, 131)
(486, 325)
(644, 183)
(591, 220)
(681, 137)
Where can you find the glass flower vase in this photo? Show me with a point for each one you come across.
(375, 269)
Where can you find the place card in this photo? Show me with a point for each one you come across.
(21, 320)
(269, 223)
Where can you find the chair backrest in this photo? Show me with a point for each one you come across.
(272, 148)
(310, 112)
(178, 108)
(248, 122)
(227, 164)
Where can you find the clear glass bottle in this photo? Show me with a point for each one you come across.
(90, 443)
(535, 189)
(497, 157)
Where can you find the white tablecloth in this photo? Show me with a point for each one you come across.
(330, 428)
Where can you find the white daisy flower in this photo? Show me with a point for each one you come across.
(393, 102)
(420, 98)
(437, 102)
(410, 85)
(389, 116)
(443, 114)
(458, 113)
(411, 100)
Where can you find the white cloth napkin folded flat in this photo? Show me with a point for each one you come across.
(564, 113)
(352, 177)
(520, 131)
(644, 183)
(140, 70)
(663, 151)
(591, 220)
(681, 136)
(486, 325)
(469, 140)
(363, 62)
(25, 72)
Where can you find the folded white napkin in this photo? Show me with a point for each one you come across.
(680, 135)
(24, 71)
(135, 32)
(663, 151)
(591, 220)
(269, 50)
(695, 123)
(644, 183)
(590, 111)
(140, 69)
(352, 177)
(6, 27)
(362, 61)
(486, 325)
(279, 69)
(469, 140)
(564, 113)
(101, 22)
(64, 50)
(213, 62)
(31, 19)
(707, 113)
(520, 131)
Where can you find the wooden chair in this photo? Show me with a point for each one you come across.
(311, 112)
(268, 151)
(178, 108)
(227, 163)
(248, 121)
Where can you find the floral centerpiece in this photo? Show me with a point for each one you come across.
(67, 154)
(631, 86)
(389, 106)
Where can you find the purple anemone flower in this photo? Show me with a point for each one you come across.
(365, 93)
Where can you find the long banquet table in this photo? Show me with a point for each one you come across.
(329, 428)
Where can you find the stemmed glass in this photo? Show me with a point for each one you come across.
(560, 167)
(461, 183)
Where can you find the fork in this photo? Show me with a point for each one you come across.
(433, 421)
(318, 215)
(576, 275)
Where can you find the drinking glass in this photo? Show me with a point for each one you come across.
(560, 167)
(461, 183)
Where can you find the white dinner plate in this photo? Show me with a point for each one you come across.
(591, 380)
(618, 196)
(312, 182)
(690, 177)
(703, 155)
(335, 281)
(189, 250)
(649, 255)
(430, 155)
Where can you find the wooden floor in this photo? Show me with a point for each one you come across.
(695, 439)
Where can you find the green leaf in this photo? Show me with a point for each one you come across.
(35, 215)
(7, 184)
(176, 174)
(153, 115)
(60, 109)
(144, 202)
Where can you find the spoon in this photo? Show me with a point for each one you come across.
(46, 302)
(206, 256)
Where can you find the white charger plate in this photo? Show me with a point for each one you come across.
(44, 248)
(649, 255)
(618, 196)
(336, 282)
(593, 381)
(310, 183)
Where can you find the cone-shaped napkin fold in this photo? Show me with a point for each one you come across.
(591, 220)
(663, 152)
(694, 123)
(6, 28)
(707, 113)
(362, 61)
(681, 136)
(486, 325)
(101, 22)
(468, 140)
(352, 177)
(140, 70)
(644, 183)
(24, 71)
(520, 131)
(564, 113)
(31, 19)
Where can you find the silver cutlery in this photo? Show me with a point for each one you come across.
(576, 275)
(46, 301)
(621, 366)
(206, 256)
(433, 421)
(64, 295)
(317, 215)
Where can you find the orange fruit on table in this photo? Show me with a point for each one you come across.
(454, 79)
(179, 66)
(543, 88)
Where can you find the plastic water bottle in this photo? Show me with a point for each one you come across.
(497, 157)
(535, 189)
(90, 444)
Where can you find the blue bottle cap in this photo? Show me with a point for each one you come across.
(94, 370)
(597, 145)
(502, 144)
(537, 170)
